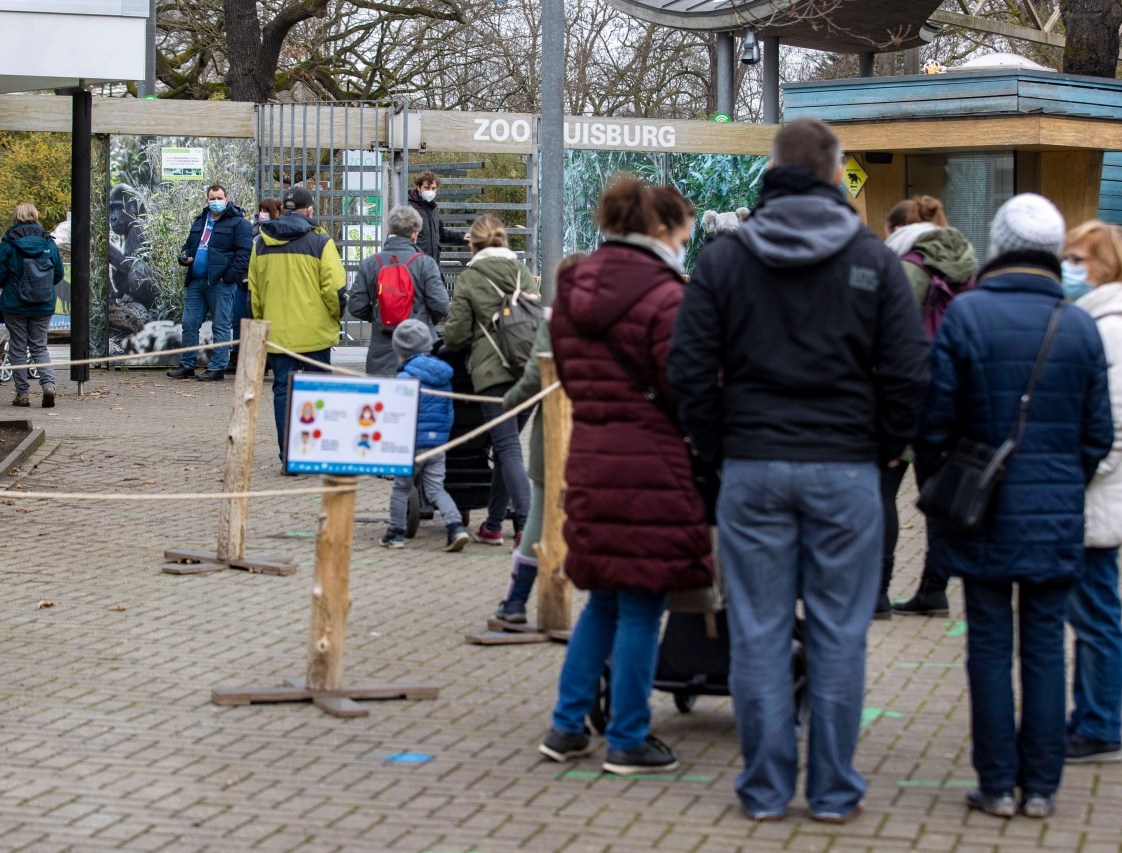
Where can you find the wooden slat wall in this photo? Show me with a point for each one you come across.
(1110, 190)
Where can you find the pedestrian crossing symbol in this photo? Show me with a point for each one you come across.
(854, 176)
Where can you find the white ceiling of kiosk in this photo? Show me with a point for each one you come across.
(129, 8)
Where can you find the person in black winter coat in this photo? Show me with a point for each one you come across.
(422, 198)
(216, 257)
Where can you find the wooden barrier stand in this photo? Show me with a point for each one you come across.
(230, 553)
(331, 600)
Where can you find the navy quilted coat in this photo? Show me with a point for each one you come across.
(434, 418)
(635, 520)
(981, 360)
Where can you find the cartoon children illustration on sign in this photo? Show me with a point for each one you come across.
(307, 413)
(363, 444)
(366, 417)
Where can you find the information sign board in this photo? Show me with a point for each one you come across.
(351, 425)
(182, 164)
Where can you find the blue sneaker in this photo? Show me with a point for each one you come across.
(393, 538)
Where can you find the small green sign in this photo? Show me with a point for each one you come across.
(721, 117)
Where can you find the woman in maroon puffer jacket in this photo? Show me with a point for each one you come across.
(636, 525)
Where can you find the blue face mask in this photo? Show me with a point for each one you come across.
(216, 205)
(1074, 280)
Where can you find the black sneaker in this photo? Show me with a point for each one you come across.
(1082, 750)
(458, 537)
(211, 376)
(998, 805)
(559, 746)
(182, 373)
(923, 604)
(652, 757)
(884, 607)
(513, 612)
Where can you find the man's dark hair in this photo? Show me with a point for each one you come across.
(215, 188)
(807, 143)
(424, 177)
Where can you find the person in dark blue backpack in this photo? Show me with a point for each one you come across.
(30, 267)
(1028, 549)
(412, 343)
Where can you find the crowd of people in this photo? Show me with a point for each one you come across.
(806, 364)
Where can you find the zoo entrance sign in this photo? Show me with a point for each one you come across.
(519, 133)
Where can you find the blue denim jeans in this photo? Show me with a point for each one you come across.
(431, 472)
(1096, 617)
(791, 530)
(621, 624)
(1030, 757)
(200, 298)
(282, 366)
(240, 311)
(509, 482)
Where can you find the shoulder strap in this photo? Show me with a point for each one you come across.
(1018, 429)
(647, 391)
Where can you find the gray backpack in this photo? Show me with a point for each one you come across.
(515, 325)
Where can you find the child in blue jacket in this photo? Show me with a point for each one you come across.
(412, 343)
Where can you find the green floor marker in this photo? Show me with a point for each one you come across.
(871, 715)
(300, 534)
(955, 629)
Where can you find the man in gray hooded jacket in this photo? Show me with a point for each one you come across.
(800, 363)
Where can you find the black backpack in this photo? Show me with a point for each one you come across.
(36, 283)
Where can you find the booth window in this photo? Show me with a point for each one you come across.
(972, 186)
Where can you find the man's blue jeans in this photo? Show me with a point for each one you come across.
(239, 311)
(282, 366)
(791, 530)
(621, 624)
(200, 298)
(1006, 757)
(1096, 617)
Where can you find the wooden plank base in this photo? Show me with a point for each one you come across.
(190, 555)
(504, 638)
(338, 703)
(560, 636)
(494, 624)
(187, 561)
(265, 564)
(192, 568)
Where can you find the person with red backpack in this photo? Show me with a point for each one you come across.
(399, 283)
(940, 263)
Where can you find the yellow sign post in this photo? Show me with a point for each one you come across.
(854, 176)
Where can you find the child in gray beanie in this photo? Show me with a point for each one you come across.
(412, 344)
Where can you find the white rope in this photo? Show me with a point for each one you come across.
(197, 496)
(105, 359)
(505, 416)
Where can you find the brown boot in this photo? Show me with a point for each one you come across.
(22, 400)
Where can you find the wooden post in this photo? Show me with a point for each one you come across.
(331, 597)
(554, 589)
(241, 437)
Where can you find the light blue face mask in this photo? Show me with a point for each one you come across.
(1074, 280)
(216, 205)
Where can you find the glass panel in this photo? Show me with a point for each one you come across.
(972, 186)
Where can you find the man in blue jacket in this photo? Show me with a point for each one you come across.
(216, 255)
(799, 360)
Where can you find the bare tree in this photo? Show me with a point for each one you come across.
(1092, 36)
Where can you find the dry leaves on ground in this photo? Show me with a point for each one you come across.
(44, 603)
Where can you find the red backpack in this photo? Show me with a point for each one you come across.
(395, 291)
(940, 293)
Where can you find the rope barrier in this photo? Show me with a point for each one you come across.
(132, 356)
(197, 496)
(505, 416)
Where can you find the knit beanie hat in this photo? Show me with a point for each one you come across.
(1027, 222)
(410, 338)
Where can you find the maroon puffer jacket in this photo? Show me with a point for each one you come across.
(635, 519)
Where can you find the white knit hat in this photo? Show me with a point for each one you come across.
(1027, 222)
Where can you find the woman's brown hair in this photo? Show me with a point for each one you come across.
(627, 206)
(272, 206)
(486, 231)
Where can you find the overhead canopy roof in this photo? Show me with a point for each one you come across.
(851, 26)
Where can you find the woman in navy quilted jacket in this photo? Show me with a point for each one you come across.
(1031, 542)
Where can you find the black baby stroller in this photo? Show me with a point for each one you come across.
(692, 664)
(467, 477)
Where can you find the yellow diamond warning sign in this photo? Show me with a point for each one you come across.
(854, 176)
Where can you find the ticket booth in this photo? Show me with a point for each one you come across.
(971, 139)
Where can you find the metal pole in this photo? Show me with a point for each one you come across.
(149, 87)
(81, 128)
(552, 186)
(726, 74)
(866, 65)
(771, 80)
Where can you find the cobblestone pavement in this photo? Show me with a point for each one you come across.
(109, 740)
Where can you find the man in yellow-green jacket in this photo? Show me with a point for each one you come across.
(297, 283)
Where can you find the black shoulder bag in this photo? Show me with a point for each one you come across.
(959, 493)
(705, 478)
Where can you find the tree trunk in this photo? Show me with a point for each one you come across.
(1092, 36)
(253, 51)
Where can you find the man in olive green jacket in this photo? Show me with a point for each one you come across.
(297, 283)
